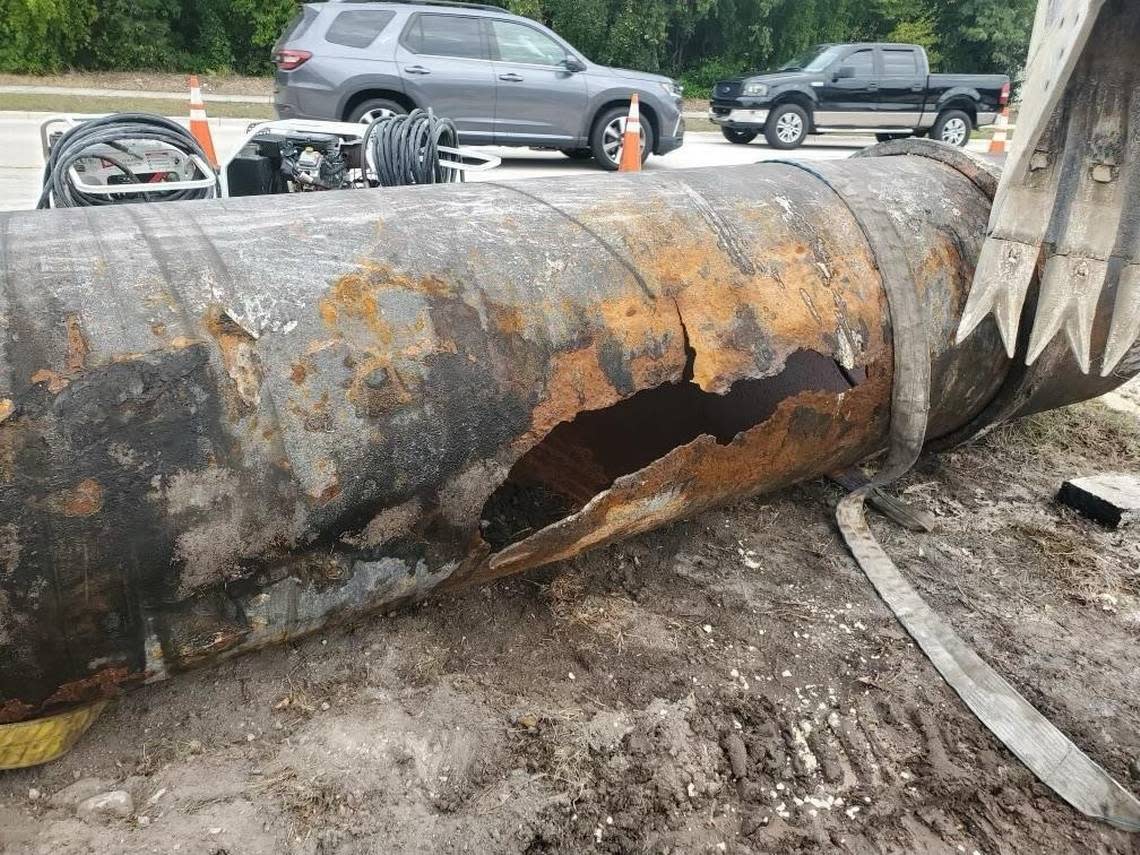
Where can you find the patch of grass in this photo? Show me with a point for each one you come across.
(143, 81)
(566, 589)
(700, 126)
(1083, 438)
(1040, 545)
(555, 741)
(77, 104)
(428, 666)
(609, 617)
(568, 760)
(1085, 572)
(1090, 431)
(307, 803)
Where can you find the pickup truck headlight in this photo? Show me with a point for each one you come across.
(756, 90)
(674, 89)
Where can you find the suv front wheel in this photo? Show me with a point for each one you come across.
(369, 111)
(606, 137)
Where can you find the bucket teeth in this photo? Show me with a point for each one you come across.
(1071, 187)
(1070, 290)
(1125, 329)
(1005, 269)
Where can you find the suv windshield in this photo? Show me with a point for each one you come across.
(816, 59)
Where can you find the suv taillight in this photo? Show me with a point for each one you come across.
(287, 60)
(1004, 98)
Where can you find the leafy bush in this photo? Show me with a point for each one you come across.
(699, 81)
(44, 35)
(128, 34)
(38, 36)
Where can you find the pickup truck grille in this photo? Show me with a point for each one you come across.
(727, 90)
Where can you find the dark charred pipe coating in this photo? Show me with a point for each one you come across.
(229, 423)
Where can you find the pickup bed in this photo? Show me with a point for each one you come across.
(886, 89)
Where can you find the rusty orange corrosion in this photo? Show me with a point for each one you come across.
(284, 424)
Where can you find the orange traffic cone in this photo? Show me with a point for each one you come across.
(1001, 132)
(630, 158)
(199, 125)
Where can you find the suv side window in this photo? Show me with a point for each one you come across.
(863, 61)
(297, 27)
(445, 35)
(520, 43)
(899, 63)
(358, 28)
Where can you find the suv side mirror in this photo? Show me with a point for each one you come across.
(844, 72)
(573, 64)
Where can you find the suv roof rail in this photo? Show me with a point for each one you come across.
(455, 3)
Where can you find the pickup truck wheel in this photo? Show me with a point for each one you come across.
(787, 126)
(738, 136)
(606, 137)
(953, 127)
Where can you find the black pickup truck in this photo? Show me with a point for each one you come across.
(883, 88)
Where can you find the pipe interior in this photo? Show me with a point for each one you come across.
(583, 457)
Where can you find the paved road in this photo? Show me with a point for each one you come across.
(21, 160)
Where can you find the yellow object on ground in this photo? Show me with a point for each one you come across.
(41, 740)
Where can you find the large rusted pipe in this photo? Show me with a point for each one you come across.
(225, 424)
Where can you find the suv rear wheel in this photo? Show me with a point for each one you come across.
(739, 136)
(606, 137)
(369, 111)
(787, 126)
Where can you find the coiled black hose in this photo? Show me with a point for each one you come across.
(114, 131)
(404, 150)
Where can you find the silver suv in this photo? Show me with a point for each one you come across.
(503, 79)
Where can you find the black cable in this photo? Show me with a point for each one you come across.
(404, 150)
(79, 142)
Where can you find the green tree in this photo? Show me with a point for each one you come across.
(985, 35)
(637, 35)
(127, 34)
(256, 26)
(699, 40)
(44, 35)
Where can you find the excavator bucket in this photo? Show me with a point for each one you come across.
(1068, 205)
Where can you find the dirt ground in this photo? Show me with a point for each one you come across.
(728, 684)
